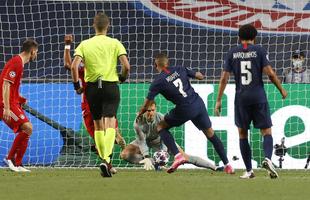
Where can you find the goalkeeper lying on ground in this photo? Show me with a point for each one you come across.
(137, 152)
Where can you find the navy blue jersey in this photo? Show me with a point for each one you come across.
(247, 63)
(173, 83)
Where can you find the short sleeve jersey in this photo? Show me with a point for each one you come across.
(293, 76)
(247, 63)
(173, 83)
(13, 73)
(100, 54)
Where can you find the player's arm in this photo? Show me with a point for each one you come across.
(78, 58)
(67, 55)
(125, 68)
(223, 82)
(199, 76)
(141, 138)
(275, 80)
(147, 162)
(193, 74)
(6, 100)
(75, 73)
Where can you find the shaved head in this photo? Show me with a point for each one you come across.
(161, 60)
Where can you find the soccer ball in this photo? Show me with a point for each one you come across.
(161, 157)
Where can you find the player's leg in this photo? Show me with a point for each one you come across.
(94, 95)
(132, 153)
(197, 161)
(202, 122)
(119, 138)
(219, 148)
(88, 122)
(25, 132)
(172, 119)
(166, 137)
(110, 107)
(20, 124)
(242, 120)
(246, 153)
(262, 121)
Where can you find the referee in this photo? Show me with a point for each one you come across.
(100, 55)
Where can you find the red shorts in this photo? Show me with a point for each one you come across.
(88, 121)
(18, 117)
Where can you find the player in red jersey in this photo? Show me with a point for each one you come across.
(11, 111)
(87, 117)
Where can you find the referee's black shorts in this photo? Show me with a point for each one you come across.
(104, 101)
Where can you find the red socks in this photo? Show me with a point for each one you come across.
(19, 147)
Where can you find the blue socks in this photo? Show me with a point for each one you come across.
(246, 153)
(219, 148)
(168, 140)
(268, 146)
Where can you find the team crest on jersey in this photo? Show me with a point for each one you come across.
(22, 116)
(12, 74)
(269, 16)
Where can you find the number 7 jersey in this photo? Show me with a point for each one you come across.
(173, 83)
(247, 63)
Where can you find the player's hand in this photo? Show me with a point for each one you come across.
(283, 93)
(218, 108)
(199, 76)
(6, 114)
(79, 91)
(122, 78)
(139, 117)
(68, 39)
(22, 100)
(148, 165)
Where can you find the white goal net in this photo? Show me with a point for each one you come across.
(194, 33)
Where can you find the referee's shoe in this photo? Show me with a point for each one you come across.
(105, 171)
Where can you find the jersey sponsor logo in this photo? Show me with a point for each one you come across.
(22, 116)
(12, 74)
(281, 16)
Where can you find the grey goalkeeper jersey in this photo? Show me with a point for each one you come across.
(291, 76)
(146, 133)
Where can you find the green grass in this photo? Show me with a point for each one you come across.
(137, 184)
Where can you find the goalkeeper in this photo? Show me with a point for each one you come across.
(299, 73)
(87, 118)
(147, 137)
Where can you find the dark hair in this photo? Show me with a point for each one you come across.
(162, 59)
(298, 54)
(29, 44)
(247, 32)
(101, 21)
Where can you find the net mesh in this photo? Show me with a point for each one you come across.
(193, 33)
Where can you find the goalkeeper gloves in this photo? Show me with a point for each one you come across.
(147, 164)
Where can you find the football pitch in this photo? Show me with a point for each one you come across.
(138, 184)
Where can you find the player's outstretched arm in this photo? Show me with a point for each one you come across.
(125, 68)
(75, 74)
(275, 80)
(6, 100)
(222, 86)
(67, 57)
(140, 135)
